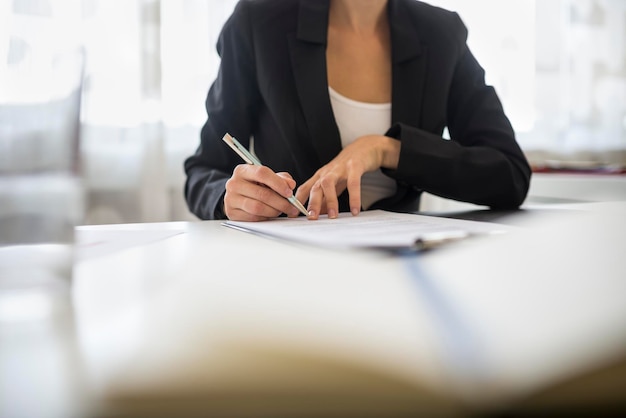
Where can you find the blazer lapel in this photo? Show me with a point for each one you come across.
(409, 58)
(308, 59)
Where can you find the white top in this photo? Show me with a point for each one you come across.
(356, 119)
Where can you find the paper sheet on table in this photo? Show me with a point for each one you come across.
(99, 240)
(370, 229)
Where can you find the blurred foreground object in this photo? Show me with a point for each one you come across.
(525, 322)
(41, 197)
(41, 201)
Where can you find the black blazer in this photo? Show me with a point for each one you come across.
(272, 86)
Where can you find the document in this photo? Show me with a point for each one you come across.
(94, 241)
(376, 229)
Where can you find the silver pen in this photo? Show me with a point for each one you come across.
(251, 159)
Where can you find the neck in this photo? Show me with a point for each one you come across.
(360, 16)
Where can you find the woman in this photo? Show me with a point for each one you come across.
(348, 99)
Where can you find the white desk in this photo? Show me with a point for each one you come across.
(149, 300)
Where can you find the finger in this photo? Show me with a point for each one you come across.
(354, 192)
(254, 199)
(329, 189)
(265, 176)
(240, 215)
(293, 212)
(240, 207)
(290, 181)
(269, 198)
(282, 183)
(315, 201)
(268, 205)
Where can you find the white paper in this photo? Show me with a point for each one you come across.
(370, 229)
(99, 240)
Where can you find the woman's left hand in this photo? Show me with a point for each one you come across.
(367, 153)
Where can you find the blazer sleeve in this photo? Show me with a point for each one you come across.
(482, 163)
(231, 104)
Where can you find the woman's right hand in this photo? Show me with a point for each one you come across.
(256, 193)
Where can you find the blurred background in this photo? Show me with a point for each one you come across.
(559, 67)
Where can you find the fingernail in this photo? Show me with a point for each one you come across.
(288, 192)
(355, 211)
(332, 213)
(311, 214)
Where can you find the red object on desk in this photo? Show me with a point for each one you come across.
(575, 168)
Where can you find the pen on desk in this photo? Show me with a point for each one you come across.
(251, 159)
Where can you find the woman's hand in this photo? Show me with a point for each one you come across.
(256, 193)
(367, 153)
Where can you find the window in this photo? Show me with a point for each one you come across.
(559, 67)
